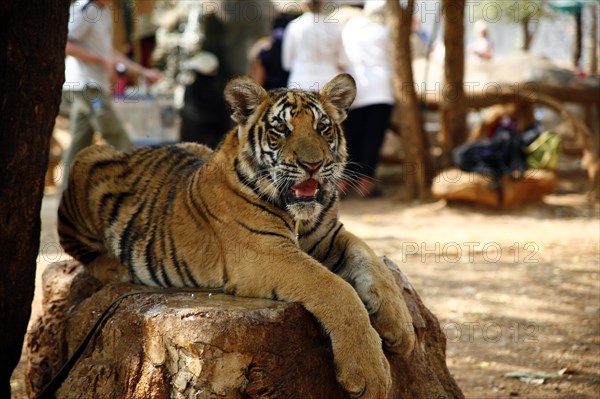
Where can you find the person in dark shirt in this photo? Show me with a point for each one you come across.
(265, 56)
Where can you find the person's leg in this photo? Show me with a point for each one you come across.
(81, 132)
(351, 130)
(377, 118)
(108, 122)
(354, 126)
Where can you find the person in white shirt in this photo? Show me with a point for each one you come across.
(481, 47)
(90, 65)
(312, 48)
(366, 41)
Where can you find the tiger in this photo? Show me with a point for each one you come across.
(258, 216)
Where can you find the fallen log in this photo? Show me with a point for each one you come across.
(456, 185)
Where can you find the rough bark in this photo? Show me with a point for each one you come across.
(418, 173)
(64, 285)
(32, 43)
(453, 107)
(207, 346)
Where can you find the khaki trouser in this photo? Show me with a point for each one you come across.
(92, 110)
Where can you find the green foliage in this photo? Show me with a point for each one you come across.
(517, 11)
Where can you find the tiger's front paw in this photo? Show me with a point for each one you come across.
(362, 369)
(393, 322)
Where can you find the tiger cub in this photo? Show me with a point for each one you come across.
(258, 217)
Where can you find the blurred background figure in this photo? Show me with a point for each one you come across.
(202, 45)
(140, 41)
(91, 68)
(366, 42)
(419, 40)
(481, 47)
(204, 115)
(312, 47)
(265, 56)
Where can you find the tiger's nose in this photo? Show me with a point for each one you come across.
(310, 167)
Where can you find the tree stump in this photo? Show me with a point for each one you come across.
(203, 345)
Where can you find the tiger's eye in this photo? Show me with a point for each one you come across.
(280, 126)
(323, 124)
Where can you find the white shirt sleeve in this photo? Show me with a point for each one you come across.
(341, 56)
(287, 50)
(79, 21)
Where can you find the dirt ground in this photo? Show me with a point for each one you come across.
(514, 291)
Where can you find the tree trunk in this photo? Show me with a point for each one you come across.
(593, 68)
(453, 107)
(527, 36)
(32, 44)
(418, 171)
(578, 40)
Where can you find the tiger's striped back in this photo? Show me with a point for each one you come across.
(123, 206)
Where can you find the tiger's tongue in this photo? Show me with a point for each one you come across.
(307, 188)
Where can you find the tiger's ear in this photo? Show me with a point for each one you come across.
(244, 95)
(340, 91)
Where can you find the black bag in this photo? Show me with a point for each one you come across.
(500, 155)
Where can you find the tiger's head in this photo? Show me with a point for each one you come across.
(292, 150)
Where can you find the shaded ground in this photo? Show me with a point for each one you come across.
(514, 291)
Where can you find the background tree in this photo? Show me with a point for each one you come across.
(417, 174)
(578, 39)
(32, 43)
(593, 53)
(526, 13)
(453, 106)
(575, 8)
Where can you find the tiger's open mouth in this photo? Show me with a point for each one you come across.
(305, 191)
